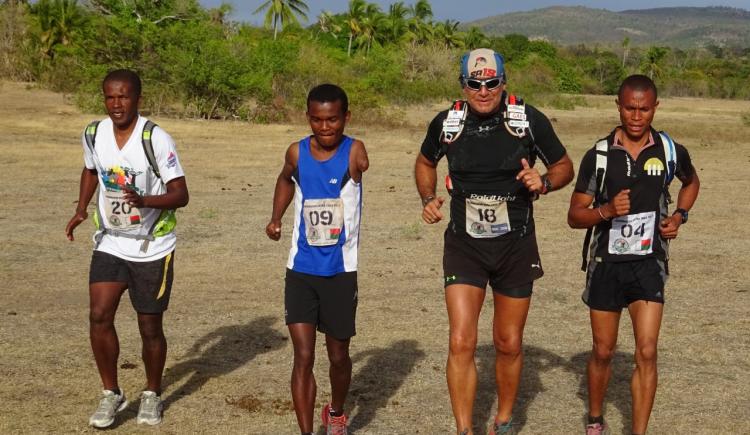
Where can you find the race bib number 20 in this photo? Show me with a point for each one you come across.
(632, 234)
(120, 214)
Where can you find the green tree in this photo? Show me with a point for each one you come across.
(369, 26)
(353, 21)
(57, 20)
(446, 33)
(475, 38)
(280, 13)
(653, 58)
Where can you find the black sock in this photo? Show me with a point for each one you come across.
(593, 420)
(116, 391)
(335, 413)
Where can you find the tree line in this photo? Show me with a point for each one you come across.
(197, 63)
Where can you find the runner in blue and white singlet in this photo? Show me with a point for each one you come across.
(327, 209)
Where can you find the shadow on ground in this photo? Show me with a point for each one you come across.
(618, 392)
(536, 362)
(221, 352)
(381, 377)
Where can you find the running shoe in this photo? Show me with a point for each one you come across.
(111, 404)
(150, 410)
(499, 428)
(333, 425)
(597, 429)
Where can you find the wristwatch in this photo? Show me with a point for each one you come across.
(546, 184)
(683, 213)
(427, 199)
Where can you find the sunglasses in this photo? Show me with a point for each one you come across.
(490, 84)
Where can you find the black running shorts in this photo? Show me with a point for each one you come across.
(614, 286)
(509, 265)
(149, 283)
(328, 302)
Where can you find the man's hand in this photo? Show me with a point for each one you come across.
(530, 177)
(133, 199)
(76, 220)
(431, 212)
(273, 230)
(669, 226)
(619, 205)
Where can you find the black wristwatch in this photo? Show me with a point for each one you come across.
(546, 185)
(683, 213)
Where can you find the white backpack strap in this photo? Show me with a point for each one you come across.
(453, 124)
(670, 154)
(601, 166)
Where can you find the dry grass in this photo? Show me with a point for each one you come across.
(229, 358)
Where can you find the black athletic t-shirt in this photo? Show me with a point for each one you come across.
(645, 177)
(484, 161)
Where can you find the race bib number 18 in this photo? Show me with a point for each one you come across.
(324, 220)
(118, 213)
(632, 234)
(486, 218)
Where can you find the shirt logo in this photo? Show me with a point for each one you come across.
(333, 181)
(171, 160)
(653, 166)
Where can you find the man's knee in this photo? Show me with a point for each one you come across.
(602, 353)
(645, 353)
(463, 344)
(304, 358)
(509, 345)
(101, 317)
(150, 327)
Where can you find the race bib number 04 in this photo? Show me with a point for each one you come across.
(118, 213)
(324, 220)
(486, 218)
(632, 234)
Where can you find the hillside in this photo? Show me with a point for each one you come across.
(682, 27)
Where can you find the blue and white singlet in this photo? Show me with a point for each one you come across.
(327, 210)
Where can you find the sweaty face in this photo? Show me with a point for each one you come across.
(327, 121)
(121, 103)
(637, 109)
(484, 101)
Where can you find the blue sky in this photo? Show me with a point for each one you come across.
(468, 10)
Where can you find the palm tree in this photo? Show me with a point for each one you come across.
(353, 21)
(327, 24)
(447, 33)
(369, 26)
(420, 23)
(57, 21)
(654, 56)
(625, 50)
(475, 38)
(281, 13)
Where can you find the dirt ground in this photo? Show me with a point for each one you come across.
(229, 357)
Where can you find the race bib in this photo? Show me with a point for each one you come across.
(486, 218)
(324, 220)
(118, 213)
(632, 234)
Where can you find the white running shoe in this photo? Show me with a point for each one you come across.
(110, 405)
(151, 408)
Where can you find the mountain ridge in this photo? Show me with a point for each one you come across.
(680, 27)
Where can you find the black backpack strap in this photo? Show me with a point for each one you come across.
(90, 134)
(148, 147)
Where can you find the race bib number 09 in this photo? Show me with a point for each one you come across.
(324, 221)
(486, 218)
(118, 213)
(632, 234)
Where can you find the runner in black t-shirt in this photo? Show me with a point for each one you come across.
(629, 250)
(491, 142)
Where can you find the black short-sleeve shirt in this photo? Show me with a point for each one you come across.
(645, 177)
(485, 159)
